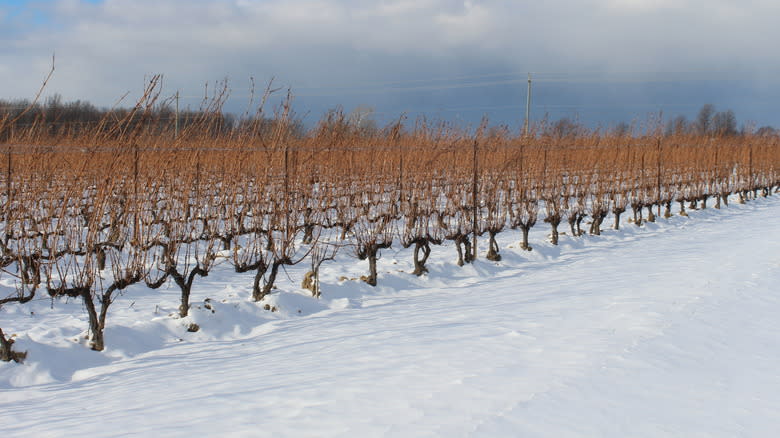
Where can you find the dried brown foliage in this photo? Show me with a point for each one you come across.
(88, 213)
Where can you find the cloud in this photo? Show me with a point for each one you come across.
(105, 48)
(642, 6)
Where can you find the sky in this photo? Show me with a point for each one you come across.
(597, 61)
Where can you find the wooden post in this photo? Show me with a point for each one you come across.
(750, 165)
(137, 206)
(658, 176)
(286, 190)
(176, 120)
(474, 200)
(8, 187)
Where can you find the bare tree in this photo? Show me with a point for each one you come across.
(704, 119)
(678, 126)
(564, 128)
(724, 124)
(622, 129)
(362, 122)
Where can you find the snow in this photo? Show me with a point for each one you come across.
(669, 329)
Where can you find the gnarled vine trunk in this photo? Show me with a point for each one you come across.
(492, 253)
(7, 353)
(421, 247)
(463, 245)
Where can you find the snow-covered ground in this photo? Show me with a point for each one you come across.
(666, 330)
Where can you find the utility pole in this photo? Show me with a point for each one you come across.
(176, 121)
(528, 107)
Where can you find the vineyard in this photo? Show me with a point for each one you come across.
(88, 212)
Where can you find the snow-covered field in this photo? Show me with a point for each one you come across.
(666, 330)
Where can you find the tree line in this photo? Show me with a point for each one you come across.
(57, 118)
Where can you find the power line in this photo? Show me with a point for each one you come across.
(464, 82)
(544, 76)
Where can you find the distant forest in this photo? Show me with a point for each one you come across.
(56, 118)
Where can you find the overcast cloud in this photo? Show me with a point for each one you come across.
(349, 52)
